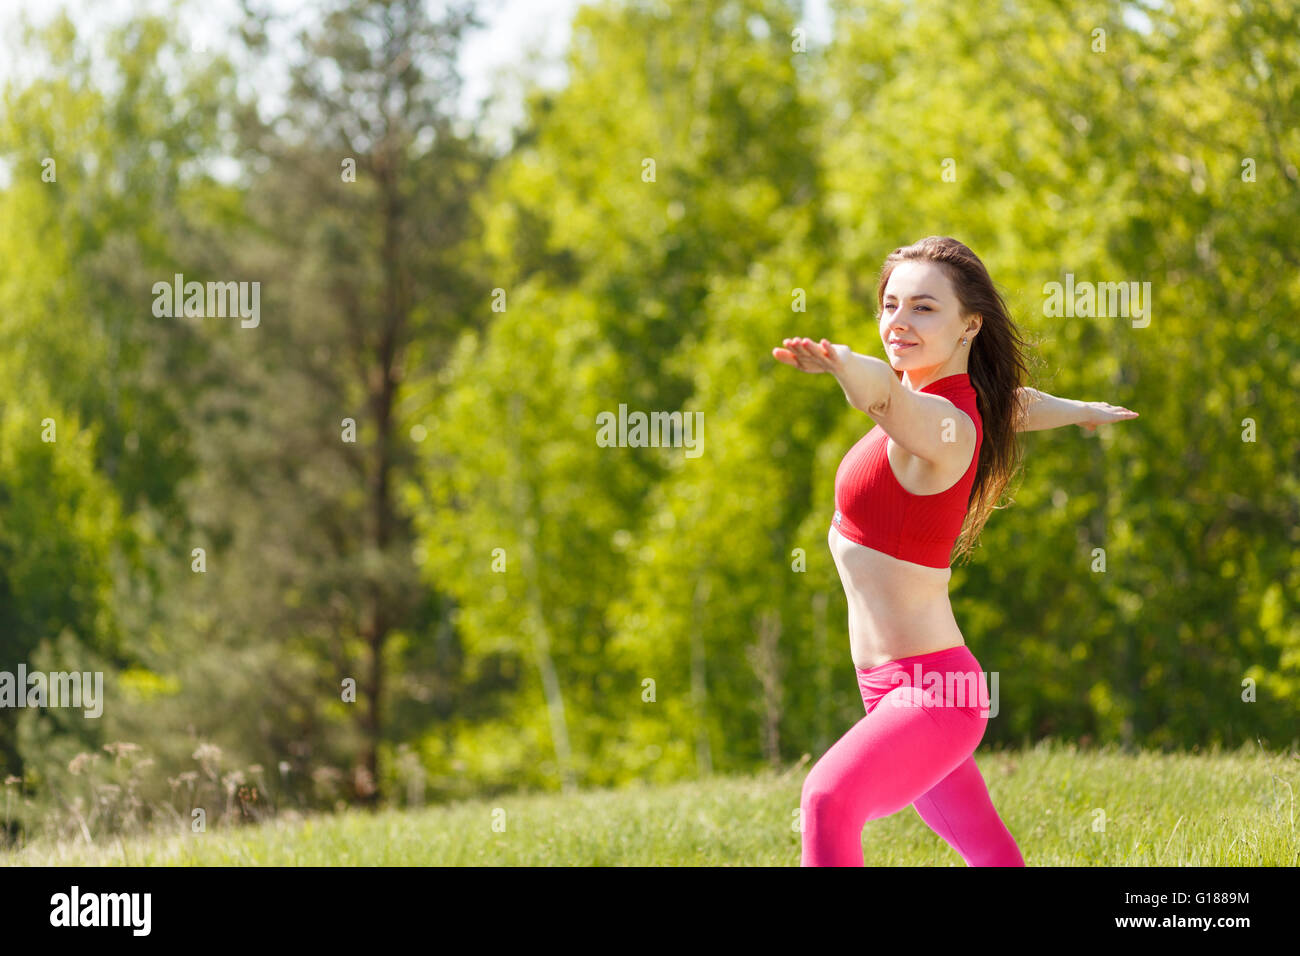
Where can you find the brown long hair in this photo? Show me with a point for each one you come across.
(996, 366)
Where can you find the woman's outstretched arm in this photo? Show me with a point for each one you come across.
(1041, 411)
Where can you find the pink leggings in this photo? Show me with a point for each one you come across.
(915, 746)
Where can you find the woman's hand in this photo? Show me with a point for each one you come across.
(813, 356)
(1100, 413)
(866, 381)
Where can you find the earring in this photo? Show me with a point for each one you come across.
(963, 341)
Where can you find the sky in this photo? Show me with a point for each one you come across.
(491, 58)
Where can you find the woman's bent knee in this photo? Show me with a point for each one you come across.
(821, 797)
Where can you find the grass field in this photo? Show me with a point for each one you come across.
(1211, 809)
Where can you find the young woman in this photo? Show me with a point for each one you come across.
(947, 406)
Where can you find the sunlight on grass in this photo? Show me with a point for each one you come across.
(1064, 806)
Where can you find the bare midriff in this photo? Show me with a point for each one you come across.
(896, 608)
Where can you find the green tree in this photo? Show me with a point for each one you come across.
(98, 188)
(679, 153)
(357, 202)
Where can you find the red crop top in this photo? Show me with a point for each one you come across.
(874, 510)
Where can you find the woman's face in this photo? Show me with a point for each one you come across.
(920, 321)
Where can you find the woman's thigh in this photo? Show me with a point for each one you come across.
(892, 756)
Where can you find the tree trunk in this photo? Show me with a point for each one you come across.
(529, 521)
(699, 683)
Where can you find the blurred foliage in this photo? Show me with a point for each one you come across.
(520, 606)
